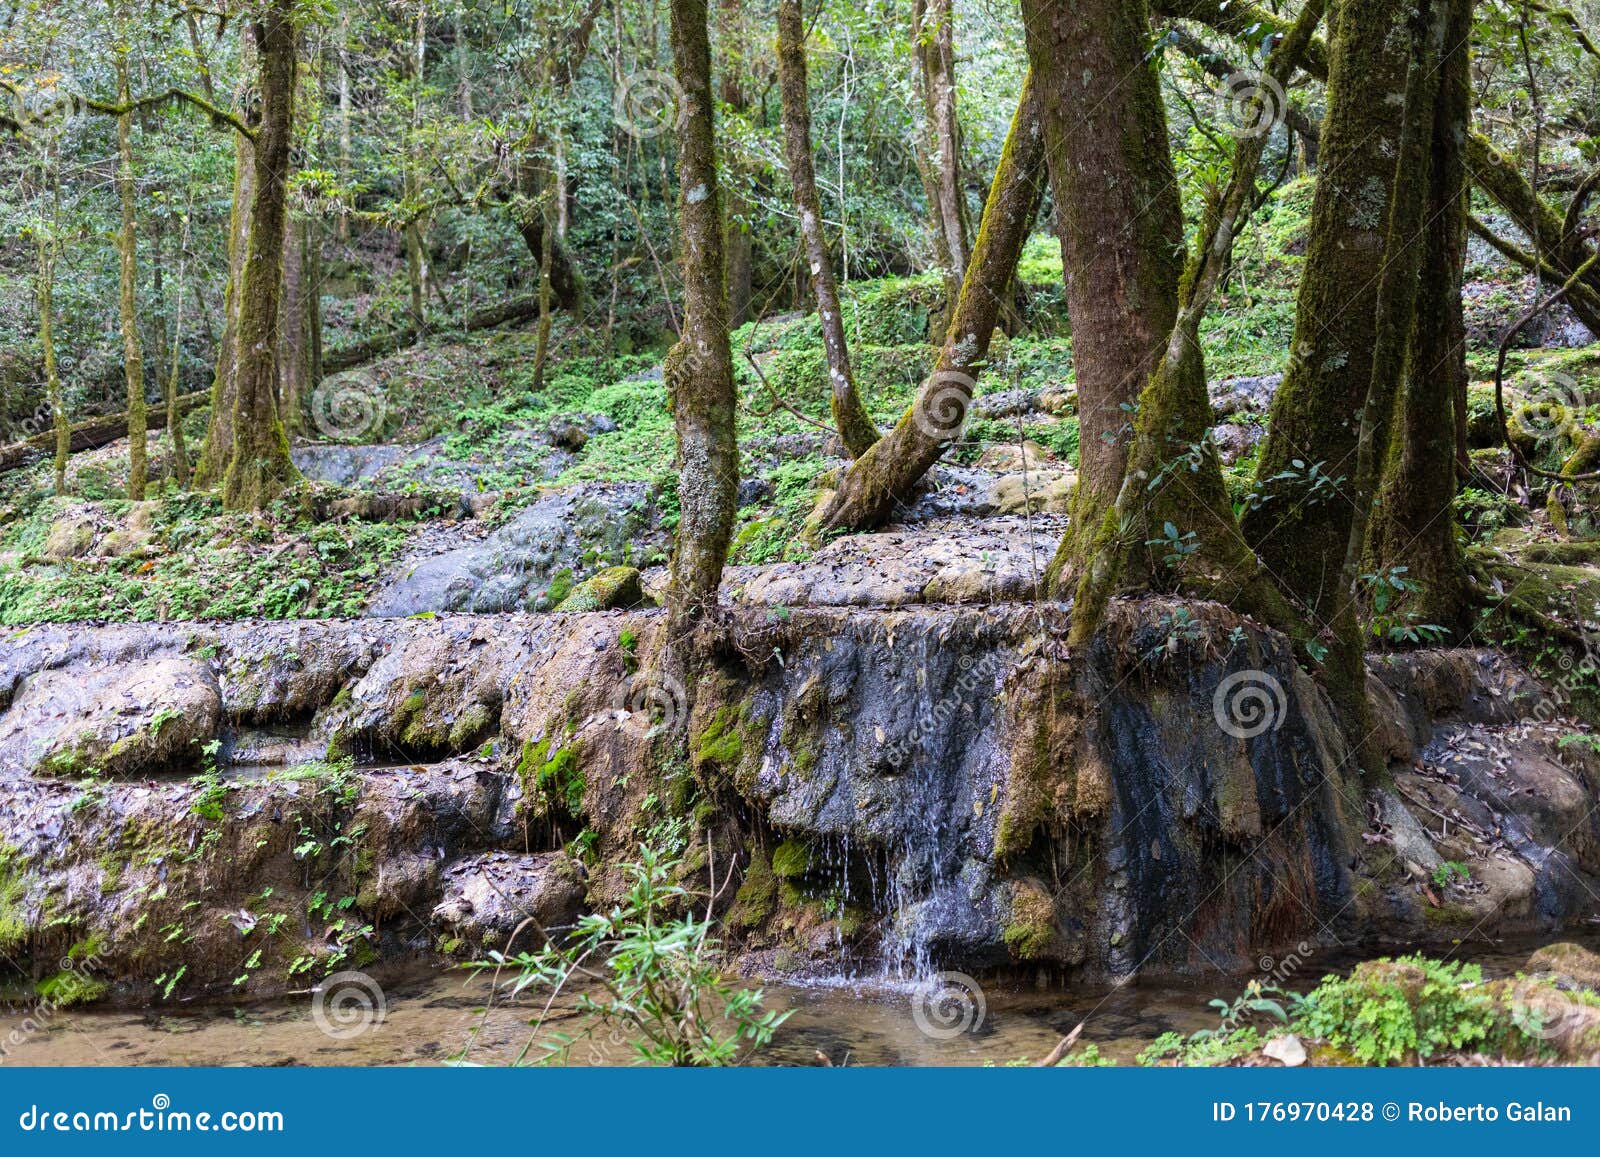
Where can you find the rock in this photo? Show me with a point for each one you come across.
(1006, 457)
(488, 897)
(123, 721)
(1035, 492)
(616, 586)
(132, 536)
(568, 433)
(1286, 1050)
(70, 536)
(515, 566)
(1235, 396)
(1236, 439)
(1568, 962)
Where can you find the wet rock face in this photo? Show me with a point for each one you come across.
(927, 786)
(123, 721)
(524, 563)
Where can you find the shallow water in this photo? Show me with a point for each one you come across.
(439, 1017)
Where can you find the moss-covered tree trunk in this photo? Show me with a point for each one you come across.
(850, 417)
(936, 57)
(47, 342)
(178, 447)
(1414, 524)
(1120, 224)
(1172, 519)
(882, 478)
(699, 369)
(1308, 461)
(739, 243)
(259, 467)
(128, 289)
(218, 445)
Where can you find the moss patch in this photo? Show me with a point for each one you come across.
(790, 860)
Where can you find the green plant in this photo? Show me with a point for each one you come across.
(649, 968)
(1451, 870)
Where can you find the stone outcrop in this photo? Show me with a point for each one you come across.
(934, 784)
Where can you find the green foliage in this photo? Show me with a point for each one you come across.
(1411, 1008)
(654, 971)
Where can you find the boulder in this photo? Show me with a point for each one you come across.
(1568, 962)
(488, 897)
(616, 586)
(120, 721)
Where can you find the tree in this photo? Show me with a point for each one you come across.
(259, 468)
(876, 482)
(850, 417)
(699, 368)
(127, 245)
(933, 38)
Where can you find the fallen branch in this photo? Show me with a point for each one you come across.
(95, 432)
(1063, 1047)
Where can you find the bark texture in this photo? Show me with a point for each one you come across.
(259, 468)
(128, 293)
(850, 416)
(699, 368)
(878, 481)
(1120, 223)
(1308, 462)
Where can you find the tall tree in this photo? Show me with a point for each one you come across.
(880, 479)
(1414, 526)
(259, 468)
(850, 416)
(933, 42)
(1120, 223)
(699, 368)
(1308, 461)
(128, 294)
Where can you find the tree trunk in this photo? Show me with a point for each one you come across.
(1121, 227)
(259, 468)
(699, 369)
(740, 242)
(850, 417)
(1172, 518)
(933, 40)
(1415, 527)
(541, 347)
(882, 478)
(1308, 462)
(178, 446)
(52, 377)
(218, 446)
(127, 297)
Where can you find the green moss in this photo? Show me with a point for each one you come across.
(790, 860)
(1031, 929)
(68, 988)
(470, 724)
(757, 895)
(554, 775)
(616, 586)
(721, 740)
(14, 925)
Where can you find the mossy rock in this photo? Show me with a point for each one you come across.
(790, 860)
(1031, 930)
(757, 896)
(1568, 961)
(616, 586)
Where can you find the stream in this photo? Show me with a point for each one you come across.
(435, 1017)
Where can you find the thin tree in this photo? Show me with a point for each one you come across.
(878, 481)
(259, 468)
(850, 416)
(699, 368)
(127, 296)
